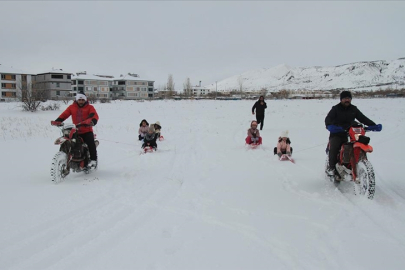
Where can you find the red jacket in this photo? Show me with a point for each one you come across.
(79, 114)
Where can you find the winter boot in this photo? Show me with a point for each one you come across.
(92, 164)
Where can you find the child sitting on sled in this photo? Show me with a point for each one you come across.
(283, 145)
(158, 127)
(253, 134)
(143, 129)
(150, 138)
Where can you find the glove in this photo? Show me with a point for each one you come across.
(56, 123)
(335, 129)
(87, 122)
(374, 128)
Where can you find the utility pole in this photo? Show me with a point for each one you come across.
(216, 90)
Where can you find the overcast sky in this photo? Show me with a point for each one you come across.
(205, 41)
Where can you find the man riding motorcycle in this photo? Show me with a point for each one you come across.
(338, 120)
(85, 114)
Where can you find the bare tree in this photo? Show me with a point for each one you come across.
(31, 95)
(187, 87)
(283, 93)
(170, 85)
(264, 91)
(240, 83)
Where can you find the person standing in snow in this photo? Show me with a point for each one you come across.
(338, 120)
(260, 106)
(82, 113)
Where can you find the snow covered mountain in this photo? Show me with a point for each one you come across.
(367, 75)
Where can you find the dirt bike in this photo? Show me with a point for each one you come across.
(353, 165)
(73, 153)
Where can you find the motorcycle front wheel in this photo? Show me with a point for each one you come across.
(365, 182)
(59, 168)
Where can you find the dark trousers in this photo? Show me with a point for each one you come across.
(260, 120)
(335, 144)
(149, 143)
(282, 152)
(88, 138)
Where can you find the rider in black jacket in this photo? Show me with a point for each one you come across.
(339, 119)
(260, 106)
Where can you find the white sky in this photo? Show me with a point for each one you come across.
(206, 41)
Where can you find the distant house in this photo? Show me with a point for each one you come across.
(57, 83)
(11, 80)
(131, 86)
(92, 85)
(197, 90)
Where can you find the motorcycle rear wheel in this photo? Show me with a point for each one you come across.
(366, 177)
(59, 168)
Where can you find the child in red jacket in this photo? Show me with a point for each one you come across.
(253, 134)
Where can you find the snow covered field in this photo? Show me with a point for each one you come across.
(203, 200)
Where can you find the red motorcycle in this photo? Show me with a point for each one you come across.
(73, 153)
(353, 164)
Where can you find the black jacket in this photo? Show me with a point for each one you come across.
(343, 116)
(259, 107)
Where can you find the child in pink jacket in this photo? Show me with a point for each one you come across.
(283, 145)
(253, 134)
(143, 129)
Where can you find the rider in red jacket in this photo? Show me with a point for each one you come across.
(84, 113)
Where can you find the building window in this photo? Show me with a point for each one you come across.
(80, 82)
(8, 94)
(56, 76)
(8, 85)
(150, 89)
(95, 88)
(69, 76)
(58, 93)
(80, 88)
(8, 77)
(57, 84)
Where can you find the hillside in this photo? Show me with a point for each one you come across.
(367, 75)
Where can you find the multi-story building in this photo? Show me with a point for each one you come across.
(56, 83)
(131, 86)
(97, 86)
(12, 82)
(197, 90)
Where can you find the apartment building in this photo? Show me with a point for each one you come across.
(97, 86)
(12, 81)
(131, 86)
(197, 90)
(57, 83)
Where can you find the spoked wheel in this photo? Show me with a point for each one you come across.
(365, 179)
(59, 168)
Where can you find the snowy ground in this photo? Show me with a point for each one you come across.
(203, 200)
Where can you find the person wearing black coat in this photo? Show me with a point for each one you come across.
(338, 120)
(260, 106)
(150, 138)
